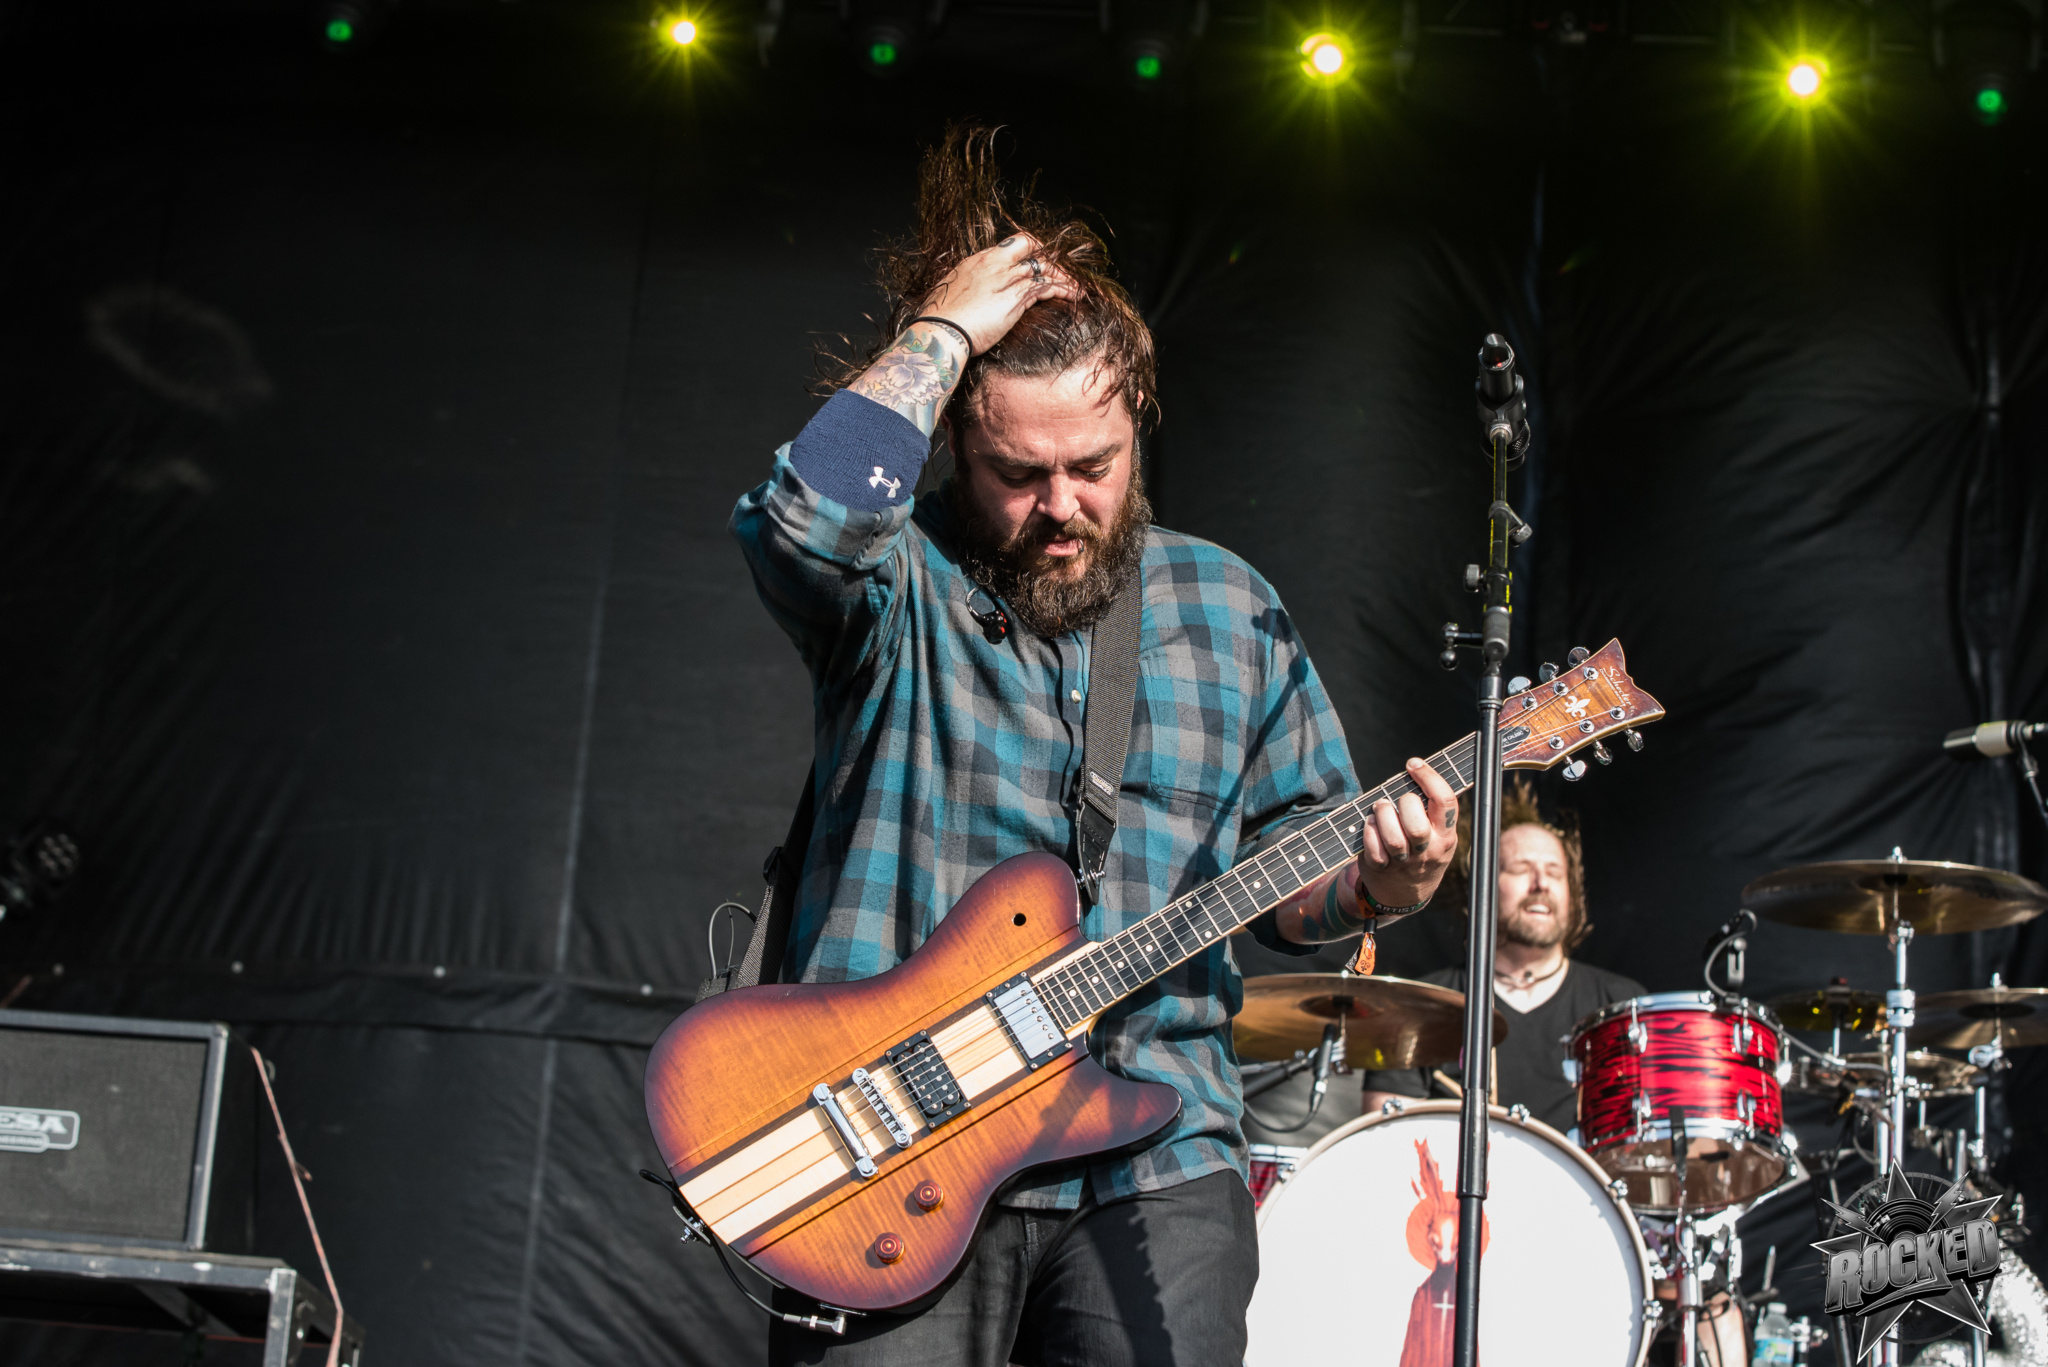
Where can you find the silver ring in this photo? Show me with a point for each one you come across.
(1037, 268)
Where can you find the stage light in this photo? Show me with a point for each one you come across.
(682, 32)
(1325, 57)
(1147, 67)
(1986, 50)
(345, 25)
(1806, 78)
(886, 36)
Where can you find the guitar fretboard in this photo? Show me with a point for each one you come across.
(1125, 962)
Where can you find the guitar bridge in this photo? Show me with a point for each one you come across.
(1029, 1024)
(926, 1077)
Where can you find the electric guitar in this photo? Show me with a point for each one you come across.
(847, 1138)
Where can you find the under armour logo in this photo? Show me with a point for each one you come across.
(879, 480)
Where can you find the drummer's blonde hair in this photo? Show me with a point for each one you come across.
(1519, 807)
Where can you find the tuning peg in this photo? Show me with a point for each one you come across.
(1574, 770)
(1578, 655)
(1518, 683)
(1635, 738)
(1600, 753)
(1546, 671)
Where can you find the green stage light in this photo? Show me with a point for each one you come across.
(882, 54)
(1147, 66)
(340, 31)
(1990, 103)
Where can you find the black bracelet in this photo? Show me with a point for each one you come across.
(1374, 909)
(965, 340)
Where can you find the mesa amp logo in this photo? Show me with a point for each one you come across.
(32, 1129)
(1901, 1252)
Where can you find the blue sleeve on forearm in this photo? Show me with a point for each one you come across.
(860, 453)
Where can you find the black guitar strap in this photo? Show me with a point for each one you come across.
(782, 871)
(1106, 731)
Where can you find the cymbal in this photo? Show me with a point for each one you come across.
(1388, 1022)
(1938, 1074)
(1870, 896)
(1860, 1012)
(2015, 1016)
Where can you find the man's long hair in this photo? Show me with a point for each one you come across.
(1518, 807)
(963, 207)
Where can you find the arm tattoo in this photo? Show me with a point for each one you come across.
(916, 375)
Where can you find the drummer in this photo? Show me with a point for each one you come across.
(1542, 990)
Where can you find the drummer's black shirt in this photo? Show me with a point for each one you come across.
(1530, 1060)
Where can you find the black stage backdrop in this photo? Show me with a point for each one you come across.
(370, 427)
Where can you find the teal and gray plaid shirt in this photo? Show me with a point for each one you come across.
(940, 754)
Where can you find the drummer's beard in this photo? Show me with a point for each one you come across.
(1518, 927)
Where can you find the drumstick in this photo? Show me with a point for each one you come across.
(1444, 1082)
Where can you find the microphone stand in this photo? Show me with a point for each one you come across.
(1500, 411)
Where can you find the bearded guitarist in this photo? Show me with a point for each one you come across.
(949, 640)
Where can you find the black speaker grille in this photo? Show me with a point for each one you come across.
(137, 1100)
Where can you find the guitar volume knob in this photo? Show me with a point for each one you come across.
(888, 1247)
(928, 1196)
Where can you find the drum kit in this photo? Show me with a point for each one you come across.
(1594, 1238)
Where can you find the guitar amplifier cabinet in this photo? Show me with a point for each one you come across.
(133, 1133)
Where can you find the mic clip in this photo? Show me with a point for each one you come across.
(995, 623)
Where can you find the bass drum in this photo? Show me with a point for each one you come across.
(1358, 1250)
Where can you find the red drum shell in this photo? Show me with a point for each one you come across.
(1714, 1057)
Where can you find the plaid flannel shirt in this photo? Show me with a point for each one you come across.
(940, 754)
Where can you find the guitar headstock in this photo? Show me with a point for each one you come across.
(1590, 699)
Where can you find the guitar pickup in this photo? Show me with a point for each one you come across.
(927, 1079)
(879, 1104)
(1029, 1024)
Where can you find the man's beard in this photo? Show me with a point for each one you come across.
(1017, 569)
(1518, 929)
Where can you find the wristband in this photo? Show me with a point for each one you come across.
(949, 324)
(1373, 906)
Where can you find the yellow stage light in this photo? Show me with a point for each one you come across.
(682, 33)
(1324, 57)
(1805, 78)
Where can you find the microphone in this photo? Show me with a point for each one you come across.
(1992, 739)
(1503, 413)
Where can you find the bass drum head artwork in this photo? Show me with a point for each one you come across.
(1357, 1251)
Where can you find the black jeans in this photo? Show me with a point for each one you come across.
(1161, 1279)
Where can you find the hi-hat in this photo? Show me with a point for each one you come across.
(1834, 1006)
(1872, 896)
(2014, 1016)
(1388, 1022)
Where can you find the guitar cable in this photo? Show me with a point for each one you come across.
(699, 1230)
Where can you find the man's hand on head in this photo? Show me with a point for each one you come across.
(988, 292)
(1410, 843)
(980, 300)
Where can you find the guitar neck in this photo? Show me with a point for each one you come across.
(1115, 968)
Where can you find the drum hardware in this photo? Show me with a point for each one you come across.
(1899, 898)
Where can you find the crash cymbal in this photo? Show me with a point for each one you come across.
(1388, 1022)
(1823, 1008)
(2015, 1016)
(1871, 896)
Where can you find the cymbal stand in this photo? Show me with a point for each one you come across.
(1898, 1019)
